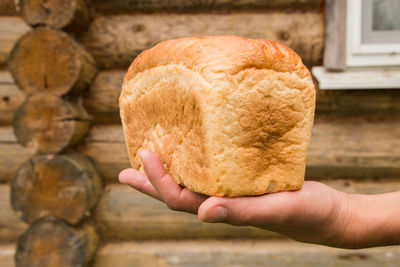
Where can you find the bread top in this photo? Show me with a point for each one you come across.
(214, 56)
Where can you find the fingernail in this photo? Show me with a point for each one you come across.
(217, 214)
(141, 154)
(132, 177)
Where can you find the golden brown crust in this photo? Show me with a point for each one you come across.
(216, 54)
(229, 116)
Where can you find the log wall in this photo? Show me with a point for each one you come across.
(355, 145)
(125, 214)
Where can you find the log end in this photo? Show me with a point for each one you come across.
(48, 124)
(47, 60)
(51, 242)
(64, 186)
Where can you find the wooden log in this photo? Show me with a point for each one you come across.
(125, 214)
(11, 29)
(46, 123)
(10, 225)
(133, 6)
(51, 242)
(12, 154)
(355, 148)
(338, 149)
(69, 15)
(10, 98)
(114, 41)
(64, 186)
(7, 252)
(101, 100)
(344, 103)
(106, 146)
(8, 8)
(239, 253)
(46, 60)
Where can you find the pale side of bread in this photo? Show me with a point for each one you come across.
(228, 116)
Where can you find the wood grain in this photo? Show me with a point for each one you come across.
(106, 146)
(125, 214)
(7, 251)
(12, 154)
(348, 103)
(115, 41)
(69, 15)
(8, 8)
(10, 225)
(101, 99)
(335, 35)
(50, 242)
(11, 29)
(239, 253)
(65, 186)
(354, 148)
(134, 6)
(47, 60)
(46, 123)
(10, 98)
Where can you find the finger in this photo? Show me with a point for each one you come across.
(176, 197)
(139, 181)
(273, 209)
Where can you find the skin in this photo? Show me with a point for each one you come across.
(315, 214)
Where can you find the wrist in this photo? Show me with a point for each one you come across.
(339, 227)
(362, 221)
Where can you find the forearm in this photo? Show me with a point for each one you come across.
(371, 220)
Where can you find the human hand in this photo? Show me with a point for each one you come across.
(315, 214)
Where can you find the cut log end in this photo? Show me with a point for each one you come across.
(64, 186)
(59, 14)
(47, 124)
(51, 242)
(46, 60)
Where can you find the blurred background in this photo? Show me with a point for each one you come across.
(61, 144)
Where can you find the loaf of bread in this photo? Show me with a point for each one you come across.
(228, 116)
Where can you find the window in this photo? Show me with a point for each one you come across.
(363, 42)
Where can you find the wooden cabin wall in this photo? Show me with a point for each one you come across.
(355, 145)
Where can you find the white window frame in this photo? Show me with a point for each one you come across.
(366, 55)
(349, 63)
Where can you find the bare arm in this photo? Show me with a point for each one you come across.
(315, 214)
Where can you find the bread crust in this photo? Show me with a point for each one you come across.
(228, 116)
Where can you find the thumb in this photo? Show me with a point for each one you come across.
(216, 209)
(254, 211)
